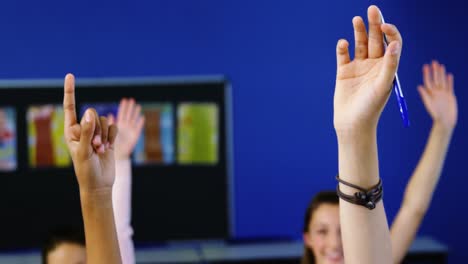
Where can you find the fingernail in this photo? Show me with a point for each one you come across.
(97, 140)
(88, 117)
(395, 49)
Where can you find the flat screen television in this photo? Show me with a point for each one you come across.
(181, 164)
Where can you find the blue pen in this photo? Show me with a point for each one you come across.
(397, 87)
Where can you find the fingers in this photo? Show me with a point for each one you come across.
(69, 101)
(436, 77)
(112, 134)
(375, 42)
(88, 126)
(390, 64)
(391, 32)
(122, 110)
(442, 76)
(104, 135)
(136, 113)
(92, 125)
(129, 112)
(342, 52)
(438, 72)
(360, 38)
(110, 119)
(97, 140)
(450, 82)
(130, 109)
(392, 54)
(427, 78)
(425, 95)
(140, 124)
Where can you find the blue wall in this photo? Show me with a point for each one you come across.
(280, 57)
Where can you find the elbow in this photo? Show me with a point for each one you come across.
(420, 212)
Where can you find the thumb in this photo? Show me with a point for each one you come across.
(390, 64)
(88, 125)
(425, 96)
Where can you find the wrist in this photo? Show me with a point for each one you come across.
(357, 159)
(355, 136)
(442, 129)
(122, 159)
(123, 168)
(102, 196)
(121, 156)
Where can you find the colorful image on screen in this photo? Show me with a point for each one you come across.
(156, 143)
(103, 109)
(7, 139)
(197, 135)
(46, 142)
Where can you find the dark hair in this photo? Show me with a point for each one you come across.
(325, 197)
(59, 236)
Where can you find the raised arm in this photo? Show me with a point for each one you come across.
(441, 104)
(363, 86)
(129, 122)
(91, 145)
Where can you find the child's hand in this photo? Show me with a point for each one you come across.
(364, 84)
(438, 96)
(90, 142)
(130, 122)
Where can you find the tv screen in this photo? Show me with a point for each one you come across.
(181, 162)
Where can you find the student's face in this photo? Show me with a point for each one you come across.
(324, 235)
(67, 253)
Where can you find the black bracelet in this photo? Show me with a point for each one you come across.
(367, 198)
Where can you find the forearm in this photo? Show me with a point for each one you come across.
(121, 196)
(418, 193)
(367, 229)
(421, 186)
(100, 231)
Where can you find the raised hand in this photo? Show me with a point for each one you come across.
(362, 88)
(363, 85)
(130, 122)
(438, 96)
(90, 142)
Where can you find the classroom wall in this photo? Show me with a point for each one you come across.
(280, 58)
